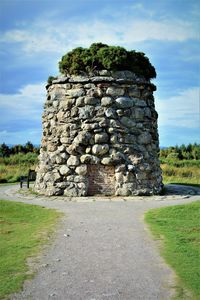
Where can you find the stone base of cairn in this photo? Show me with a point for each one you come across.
(99, 137)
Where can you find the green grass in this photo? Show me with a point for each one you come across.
(23, 229)
(179, 229)
(14, 166)
(181, 172)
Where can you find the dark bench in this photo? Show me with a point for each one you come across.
(30, 177)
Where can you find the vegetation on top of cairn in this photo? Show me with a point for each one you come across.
(101, 56)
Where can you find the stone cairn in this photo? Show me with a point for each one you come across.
(99, 137)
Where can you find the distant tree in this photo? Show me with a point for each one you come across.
(29, 147)
(18, 149)
(191, 151)
(4, 150)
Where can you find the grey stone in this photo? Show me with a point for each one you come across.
(55, 103)
(66, 103)
(64, 170)
(101, 138)
(95, 92)
(80, 101)
(131, 167)
(107, 161)
(110, 113)
(91, 100)
(71, 192)
(89, 85)
(140, 102)
(115, 91)
(104, 73)
(65, 140)
(147, 112)
(81, 170)
(144, 138)
(120, 112)
(73, 161)
(124, 102)
(57, 94)
(89, 159)
(79, 178)
(82, 79)
(82, 138)
(134, 91)
(100, 150)
(103, 122)
(106, 101)
(139, 113)
(75, 92)
(120, 168)
(86, 112)
(56, 175)
(89, 126)
(102, 79)
(127, 122)
(141, 175)
(74, 111)
(61, 148)
(123, 75)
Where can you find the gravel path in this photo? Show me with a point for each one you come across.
(103, 249)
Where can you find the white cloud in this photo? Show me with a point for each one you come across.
(182, 110)
(26, 104)
(21, 115)
(58, 36)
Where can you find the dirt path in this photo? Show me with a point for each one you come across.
(103, 249)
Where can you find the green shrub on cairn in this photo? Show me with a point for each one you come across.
(101, 56)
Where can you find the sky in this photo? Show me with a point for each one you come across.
(35, 34)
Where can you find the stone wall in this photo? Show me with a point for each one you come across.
(99, 136)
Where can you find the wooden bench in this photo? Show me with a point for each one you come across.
(30, 177)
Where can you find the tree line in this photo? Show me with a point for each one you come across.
(190, 151)
(6, 151)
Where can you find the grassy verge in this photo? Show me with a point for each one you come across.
(179, 229)
(23, 229)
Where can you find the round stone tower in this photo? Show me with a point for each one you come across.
(99, 137)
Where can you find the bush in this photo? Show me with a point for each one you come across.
(101, 56)
(50, 79)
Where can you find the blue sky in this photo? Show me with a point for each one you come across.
(34, 34)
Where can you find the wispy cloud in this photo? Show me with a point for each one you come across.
(25, 104)
(55, 36)
(182, 110)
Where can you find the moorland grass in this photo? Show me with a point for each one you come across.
(23, 229)
(181, 171)
(178, 227)
(174, 170)
(14, 166)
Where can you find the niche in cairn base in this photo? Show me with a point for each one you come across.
(99, 137)
(101, 180)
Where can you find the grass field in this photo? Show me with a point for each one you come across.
(23, 229)
(178, 228)
(181, 171)
(174, 170)
(11, 168)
